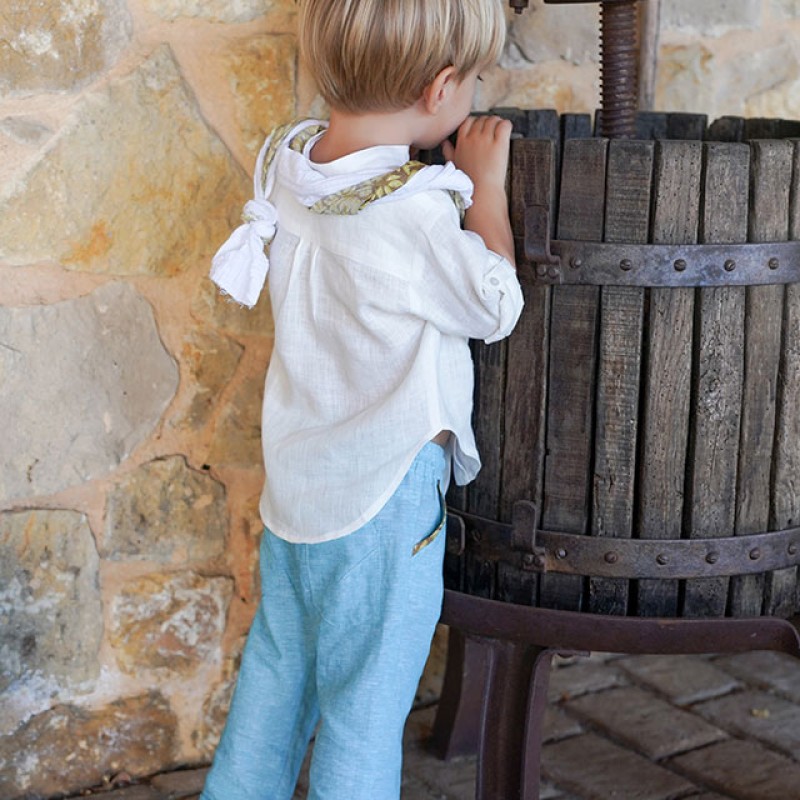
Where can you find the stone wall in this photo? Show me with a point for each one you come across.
(130, 393)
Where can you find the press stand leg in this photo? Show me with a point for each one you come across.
(458, 717)
(512, 718)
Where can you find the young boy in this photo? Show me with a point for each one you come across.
(375, 289)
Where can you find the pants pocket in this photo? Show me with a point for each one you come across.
(431, 537)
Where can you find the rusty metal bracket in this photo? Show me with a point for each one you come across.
(535, 550)
(686, 265)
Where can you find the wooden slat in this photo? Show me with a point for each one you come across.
(762, 128)
(483, 495)
(575, 126)
(686, 126)
(717, 388)
(532, 183)
(543, 124)
(651, 125)
(782, 598)
(770, 180)
(573, 346)
(668, 370)
(627, 219)
(789, 129)
(518, 117)
(726, 129)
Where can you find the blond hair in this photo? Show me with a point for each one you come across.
(379, 55)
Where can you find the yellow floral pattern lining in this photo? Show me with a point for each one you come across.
(355, 198)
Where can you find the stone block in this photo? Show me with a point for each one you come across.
(682, 679)
(742, 769)
(227, 315)
(558, 725)
(643, 722)
(143, 792)
(25, 130)
(261, 72)
(215, 708)
(164, 511)
(778, 672)
(176, 785)
(785, 9)
(80, 396)
(68, 748)
(230, 11)
(552, 32)
(211, 361)
(57, 45)
(50, 607)
(172, 622)
(559, 85)
(581, 678)
(755, 71)
(685, 79)
(135, 184)
(711, 19)
(237, 438)
(757, 715)
(595, 769)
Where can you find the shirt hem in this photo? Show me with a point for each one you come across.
(372, 511)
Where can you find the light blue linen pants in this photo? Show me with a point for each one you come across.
(340, 638)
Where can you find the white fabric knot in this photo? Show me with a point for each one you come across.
(240, 266)
(262, 216)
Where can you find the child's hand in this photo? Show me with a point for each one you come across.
(482, 151)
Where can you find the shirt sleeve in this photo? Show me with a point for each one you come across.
(465, 289)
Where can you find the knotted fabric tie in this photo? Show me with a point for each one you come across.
(240, 266)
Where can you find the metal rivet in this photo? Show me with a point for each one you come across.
(662, 559)
(792, 549)
(626, 265)
(575, 262)
(680, 265)
(755, 554)
(487, 564)
(561, 553)
(476, 536)
(730, 265)
(553, 271)
(611, 558)
(527, 559)
(774, 263)
(541, 270)
(712, 557)
(539, 561)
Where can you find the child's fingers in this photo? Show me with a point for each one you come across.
(448, 151)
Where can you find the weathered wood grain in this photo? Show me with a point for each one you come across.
(782, 595)
(762, 128)
(726, 129)
(770, 181)
(717, 384)
(651, 125)
(532, 183)
(686, 126)
(668, 370)
(627, 219)
(573, 348)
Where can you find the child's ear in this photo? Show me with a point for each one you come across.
(436, 92)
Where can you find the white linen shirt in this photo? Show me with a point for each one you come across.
(373, 313)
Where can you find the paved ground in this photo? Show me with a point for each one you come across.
(626, 728)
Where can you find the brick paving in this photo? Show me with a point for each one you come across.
(622, 728)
